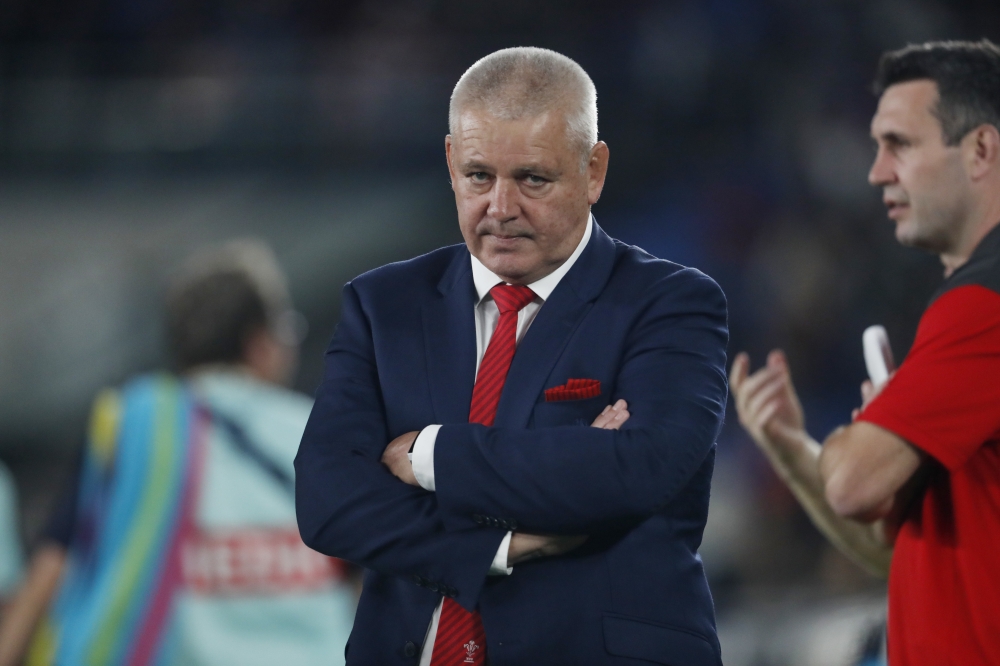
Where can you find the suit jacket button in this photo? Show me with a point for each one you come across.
(418, 580)
(512, 525)
(410, 650)
(434, 587)
(477, 518)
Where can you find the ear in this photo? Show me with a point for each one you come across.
(449, 156)
(268, 359)
(981, 150)
(597, 171)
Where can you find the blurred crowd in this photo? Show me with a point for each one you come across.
(134, 133)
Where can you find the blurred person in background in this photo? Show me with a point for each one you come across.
(178, 544)
(518, 533)
(11, 558)
(915, 478)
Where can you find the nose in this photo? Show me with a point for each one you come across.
(882, 172)
(504, 200)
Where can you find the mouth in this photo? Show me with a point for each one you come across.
(895, 209)
(507, 240)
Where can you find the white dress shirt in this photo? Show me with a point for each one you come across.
(487, 316)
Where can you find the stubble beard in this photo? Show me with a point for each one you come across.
(933, 229)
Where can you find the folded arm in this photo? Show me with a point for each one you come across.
(579, 479)
(349, 505)
(523, 546)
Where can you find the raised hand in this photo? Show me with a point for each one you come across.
(766, 401)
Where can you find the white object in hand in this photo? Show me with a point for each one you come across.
(878, 354)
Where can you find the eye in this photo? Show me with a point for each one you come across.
(895, 142)
(535, 181)
(479, 177)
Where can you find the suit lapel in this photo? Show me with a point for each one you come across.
(552, 328)
(449, 329)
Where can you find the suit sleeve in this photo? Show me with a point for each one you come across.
(349, 505)
(580, 479)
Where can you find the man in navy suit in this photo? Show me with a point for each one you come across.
(450, 450)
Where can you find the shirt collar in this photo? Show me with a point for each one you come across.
(485, 279)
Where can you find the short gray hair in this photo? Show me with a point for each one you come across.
(526, 81)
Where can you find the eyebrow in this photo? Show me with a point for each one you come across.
(891, 137)
(473, 166)
(466, 167)
(521, 172)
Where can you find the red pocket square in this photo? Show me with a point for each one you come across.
(574, 389)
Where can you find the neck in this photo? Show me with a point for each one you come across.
(983, 220)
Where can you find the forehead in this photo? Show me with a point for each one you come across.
(480, 134)
(907, 108)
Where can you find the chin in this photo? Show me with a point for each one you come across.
(508, 266)
(909, 234)
(904, 235)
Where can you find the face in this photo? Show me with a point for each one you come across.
(270, 359)
(923, 181)
(523, 200)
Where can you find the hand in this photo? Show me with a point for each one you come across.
(766, 402)
(396, 459)
(524, 547)
(612, 417)
(868, 393)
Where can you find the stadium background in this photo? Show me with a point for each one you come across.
(134, 131)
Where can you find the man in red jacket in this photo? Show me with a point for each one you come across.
(916, 476)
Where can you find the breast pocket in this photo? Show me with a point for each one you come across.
(568, 412)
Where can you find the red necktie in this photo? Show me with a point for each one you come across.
(460, 638)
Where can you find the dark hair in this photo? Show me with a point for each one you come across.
(224, 297)
(211, 320)
(967, 75)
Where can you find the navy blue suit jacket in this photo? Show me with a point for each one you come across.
(403, 357)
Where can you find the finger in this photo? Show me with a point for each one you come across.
(758, 379)
(601, 422)
(619, 419)
(557, 545)
(750, 386)
(603, 418)
(771, 427)
(855, 413)
(777, 359)
(738, 371)
(867, 390)
(766, 413)
(612, 420)
(620, 404)
(766, 393)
